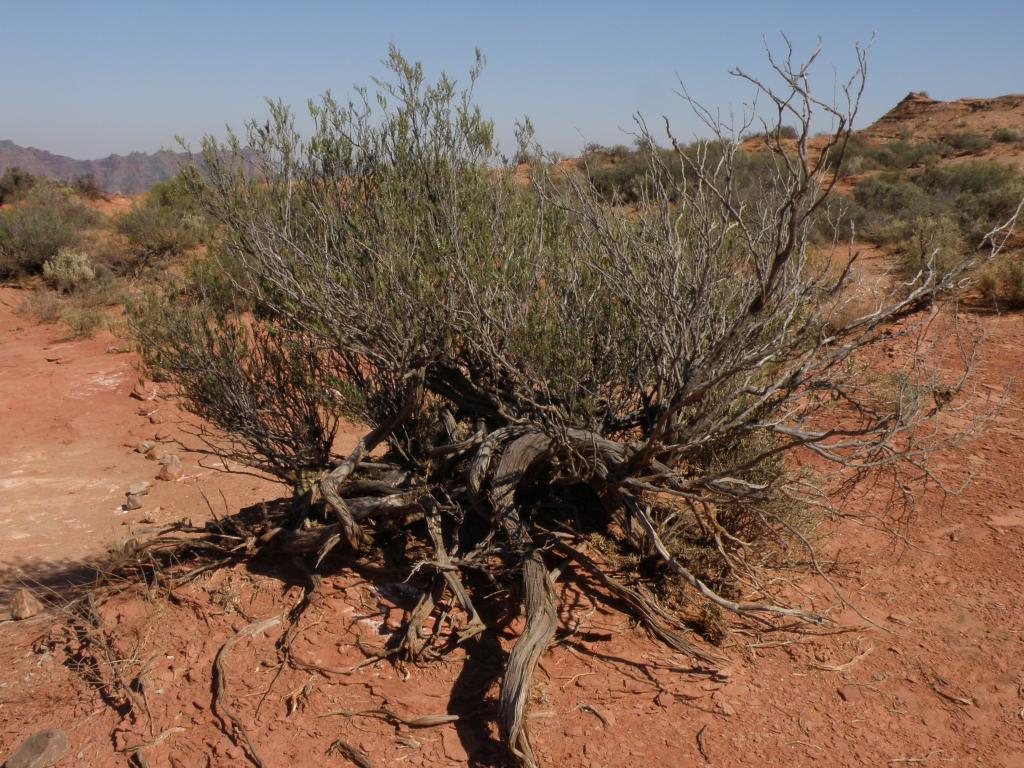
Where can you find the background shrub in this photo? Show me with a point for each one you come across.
(15, 184)
(166, 222)
(1007, 135)
(1002, 281)
(970, 143)
(69, 270)
(49, 218)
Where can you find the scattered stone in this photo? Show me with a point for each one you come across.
(143, 391)
(943, 580)
(140, 488)
(144, 446)
(116, 349)
(156, 418)
(156, 453)
(161, 435)
(171, 469)
(25, 605)
(41, 750)
(132, 502)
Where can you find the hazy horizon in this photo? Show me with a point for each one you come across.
(120, 78)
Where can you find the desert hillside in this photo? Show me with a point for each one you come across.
(921, 118)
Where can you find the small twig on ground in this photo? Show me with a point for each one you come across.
(354, 754)
(237, 732)
(136, 750)
(906, 760)
(844, 667)
(701, 745)
(595, 712)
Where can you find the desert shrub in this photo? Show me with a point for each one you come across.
(265, 384)
(786, 132)
(88, 186)
(15, 184)
(1007, 135)
(969, 143)
(47, 219)
(935, 243)
(861, 155)
(981, 194)
(1002, 281)
(69, 270)
(82, 321)
(894, 208)
(41, 305)
(166, 222)
(532, 364)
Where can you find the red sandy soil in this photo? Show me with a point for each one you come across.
(939, 682)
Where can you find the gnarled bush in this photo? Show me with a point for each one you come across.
(532, 365)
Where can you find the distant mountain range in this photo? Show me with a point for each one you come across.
(127, 174)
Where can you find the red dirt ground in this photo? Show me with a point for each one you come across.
(941, 683)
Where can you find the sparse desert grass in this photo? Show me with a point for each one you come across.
(41, 305)
(1007, 135)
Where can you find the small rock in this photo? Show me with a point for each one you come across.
(143, 391)
(115, 349)
(42, 750)
(156, 418)
(162, 435)
(848, 692)
(144, 446)
(943, 580)
(25, 605)
(171, 470)
(140, 488)
(899, 618)
(132, 502)
(156, 453)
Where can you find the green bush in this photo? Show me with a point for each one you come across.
(1007, 135)
(49, 218)
(1002, 281)
(970, 143)
(82, 321)
(978, 195)
(861, 155)
(15, 184)
(167, 222)
(935, 244)
(88, 186)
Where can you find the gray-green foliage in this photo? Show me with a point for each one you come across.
(166, 222)
(49, 217)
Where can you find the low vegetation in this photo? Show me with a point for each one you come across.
(938, 214)
(546, 376)
(165, 223)
(47, 218)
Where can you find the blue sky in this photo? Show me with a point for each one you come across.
(89, 79)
